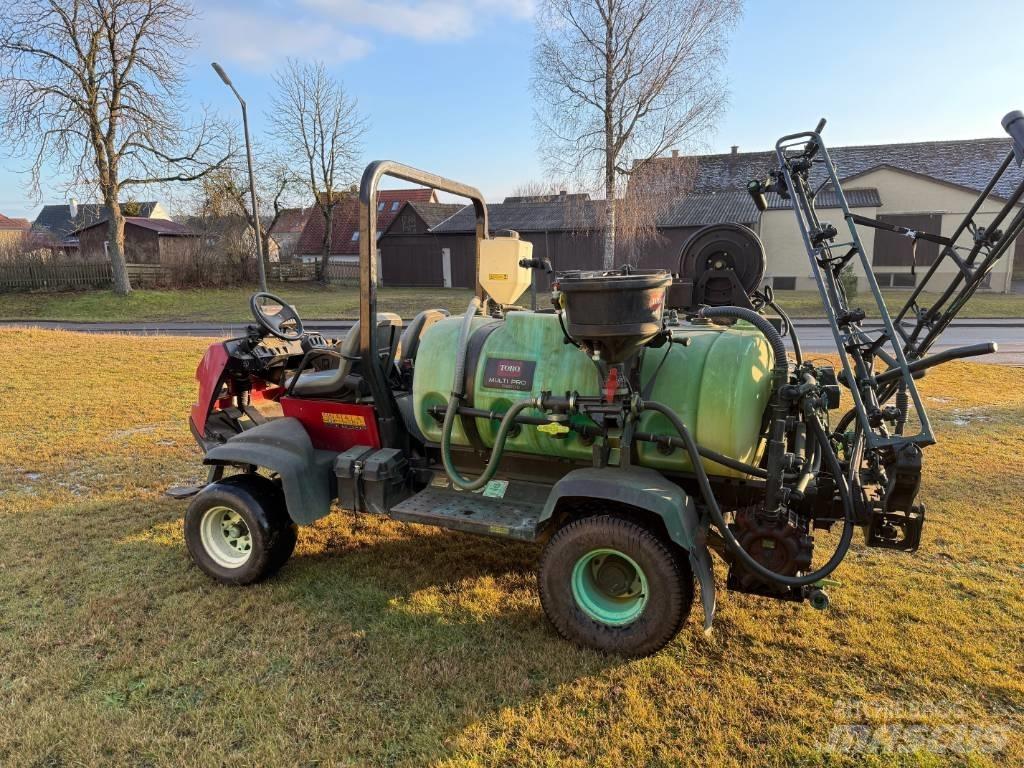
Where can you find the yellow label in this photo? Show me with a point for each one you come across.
(500, 530)
(346, 420)
(496, 276)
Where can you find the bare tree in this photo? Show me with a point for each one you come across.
(226, 192)
(621, 81)
(93, 88)
(318, 122)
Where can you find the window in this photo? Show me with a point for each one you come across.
(394, 206)
(380, 206)
(895, 279)
(903, 280)
(355, 236)
(784, 283)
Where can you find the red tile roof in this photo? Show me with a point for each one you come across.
(345, 220)
(8, 223)
(292, 220)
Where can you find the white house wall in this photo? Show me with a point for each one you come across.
(901, 193)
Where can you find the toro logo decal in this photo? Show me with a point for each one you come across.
(517, 375)
(344, 420)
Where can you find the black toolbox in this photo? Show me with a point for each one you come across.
(371, 480)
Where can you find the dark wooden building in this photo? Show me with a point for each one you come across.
(418, 250)
(146, 241)
(405, 257)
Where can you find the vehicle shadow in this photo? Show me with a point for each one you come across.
(399, 637)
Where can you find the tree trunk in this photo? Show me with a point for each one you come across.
(325, 258)
(609, 231)
(115, 246)
(609, 149)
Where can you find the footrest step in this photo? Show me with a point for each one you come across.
(514, 515)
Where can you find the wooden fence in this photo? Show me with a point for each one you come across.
(34, 275)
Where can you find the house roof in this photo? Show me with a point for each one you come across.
(161, 226)
(57, 221)
(559, 213)
(714, 208)
(576, 213)
(967, 163)
(867, 197)
(345, 220)
(19, 225)
(291, 220)
(434, 213)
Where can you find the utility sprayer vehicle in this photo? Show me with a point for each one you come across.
(645, 421)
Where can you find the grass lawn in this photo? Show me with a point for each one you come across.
(338, 302)
(220, 304)
(393, 645)
(808, 303)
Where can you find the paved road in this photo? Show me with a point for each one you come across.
(815, 335)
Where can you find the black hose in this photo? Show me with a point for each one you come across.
(730, 539)
(797, 351)
(761, 323)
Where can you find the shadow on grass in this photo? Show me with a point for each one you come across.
(431, 631)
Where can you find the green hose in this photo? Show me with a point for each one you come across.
(453, 407)
(499, 444)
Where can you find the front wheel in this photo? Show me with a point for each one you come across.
(614, 585)
(238, 531)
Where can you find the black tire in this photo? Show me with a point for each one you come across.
(668, 575)
(260, 504)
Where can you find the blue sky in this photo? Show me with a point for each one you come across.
(445, 83)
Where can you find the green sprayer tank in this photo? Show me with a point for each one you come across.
(715, 377)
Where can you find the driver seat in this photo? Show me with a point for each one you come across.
(339, 381)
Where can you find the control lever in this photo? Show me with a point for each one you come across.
(536, 265)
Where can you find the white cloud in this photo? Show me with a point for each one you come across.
(432, 20)
(261, 41)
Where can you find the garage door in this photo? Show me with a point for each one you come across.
(893, 250)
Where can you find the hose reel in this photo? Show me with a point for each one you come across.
(720, 265)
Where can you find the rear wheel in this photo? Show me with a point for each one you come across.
(238, 531)
(614, 585)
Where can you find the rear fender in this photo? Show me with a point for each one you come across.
(647, 490)
(283, 446)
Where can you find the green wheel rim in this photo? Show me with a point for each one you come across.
(225, 537)
(609, 587)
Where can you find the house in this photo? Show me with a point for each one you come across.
(287, 230)
(12, 234)
(345, 224)
(926, 186)
(564, 228)
(146, 241)
(403, 261)
(56, 224)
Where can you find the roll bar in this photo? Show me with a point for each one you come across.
(387, 410)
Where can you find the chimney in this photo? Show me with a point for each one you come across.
(675, 153)
(561, 193)
(735, 148)
(73, 206)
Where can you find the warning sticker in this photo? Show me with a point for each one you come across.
(344, 420)
(500, 373)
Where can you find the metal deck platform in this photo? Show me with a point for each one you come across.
(512, 515)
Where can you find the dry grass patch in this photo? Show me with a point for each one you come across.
(384, 644)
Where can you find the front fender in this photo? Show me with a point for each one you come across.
(648, 490)
(283, 446)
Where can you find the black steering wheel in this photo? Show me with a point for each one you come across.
(284, 322)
